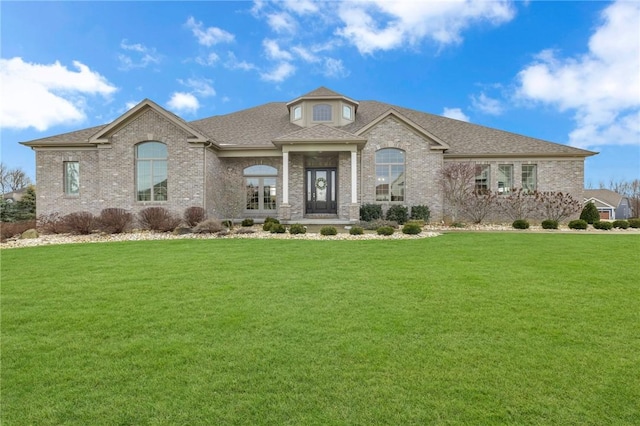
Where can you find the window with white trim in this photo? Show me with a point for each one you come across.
(483, 178)
(297, 113)
(505, 178)
(346, 112)
(71, 177)
(390, 177)
(529, 177)
(322, 112)
(151, 171)
(260, 183)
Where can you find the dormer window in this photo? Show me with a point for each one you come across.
(346, 112)
(322, 112)
(297, 113)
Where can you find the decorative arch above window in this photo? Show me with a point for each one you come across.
(322, 112)
(151, 171)
(390, 175)
(260, 170)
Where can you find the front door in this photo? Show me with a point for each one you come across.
(321, 191)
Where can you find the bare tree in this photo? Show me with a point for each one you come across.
(478, 205)
(556, 205)
(456, 181)
(630, 189)
(13, 179)
(519, 204)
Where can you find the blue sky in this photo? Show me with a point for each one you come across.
(567, 72)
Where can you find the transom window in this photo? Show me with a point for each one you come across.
(390, 177)
(151, 171)
(505, 178)
(482, 181)
(260, 184)
(71, 177)
(322, 112)
(529, 177)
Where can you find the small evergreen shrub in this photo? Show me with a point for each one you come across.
(247, 222)
(80, 222)
(227, 223)
(398, 213)
(411, 228)
(114, 220)
(420, 213)
(385, 230)
(549, 224)
(245, 231)
(356, 230)
(578, 224)
(520, 224)
(375, 224)
(277, 228)
(590, 213)
(268, 222)
(297, 228)
(458, 225)
(193, 215)
(328, 230)
(271, 219)
(208, 226)
(622, 224)
(157, 219)
(369, 212)
(634, 223)
(605, 226)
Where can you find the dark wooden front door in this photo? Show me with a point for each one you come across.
(321, 191)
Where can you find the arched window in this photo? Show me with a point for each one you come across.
(260, 183)
(390, 178)
(151, 171)
(322, 112)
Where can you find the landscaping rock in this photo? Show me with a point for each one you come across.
(29, 234)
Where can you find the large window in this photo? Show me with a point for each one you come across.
(151, 171)
(260, 183)
(71, 178)
(322, 112)
(505, 178)
(483, 177)
(529, 177)
(390, 178)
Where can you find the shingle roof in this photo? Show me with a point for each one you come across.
(608, 196)
(320, 132)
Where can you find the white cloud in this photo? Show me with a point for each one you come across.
(280, 73)
(273, 51)
(305, 54)
(145, 55)
(281, 22)
(210, 60)
(45, 95)
(182, 102)
(487, 105)
(455, 113)
(301, 7)
(208, 36)
(385, 25)
(233, 63)
(201, 87)
(601, 87)
(334, 68)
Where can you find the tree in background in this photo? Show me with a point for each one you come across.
(25, 209)
(630, 189)
(12, 179)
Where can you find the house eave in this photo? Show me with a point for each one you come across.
(529, 155)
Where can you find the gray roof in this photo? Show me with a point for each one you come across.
(260, 126)
(608, 196)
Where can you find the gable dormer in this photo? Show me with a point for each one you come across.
(322, 106)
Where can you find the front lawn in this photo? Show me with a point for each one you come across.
(470, 328)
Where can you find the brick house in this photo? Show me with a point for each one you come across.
(321, 155)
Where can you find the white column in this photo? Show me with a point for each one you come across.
(285, 177)
(354, 175)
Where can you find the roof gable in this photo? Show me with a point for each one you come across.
(606, 196)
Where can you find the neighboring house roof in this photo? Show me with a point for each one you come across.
(604, 196)
(264, 125)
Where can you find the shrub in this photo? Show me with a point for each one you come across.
(622, 224)
(578, 224)
(385, 230)
(80, 222)
(549, 224)
(194, 215)
(458, 225)
(208, 226)
(520, 224)
(328, 230)
(420, 213)
(245, 231)
(634, 223)
(375, 224)
(277, 228)
(271, 219)
(247, 222)
(369, 212)
(590, 213)
(227, 223)
(398, 214)
(268, 222)
(411, 228)
(297, 228)
(11, 229)
(157, 219)
(52, 224)
(605, 226)
(356, 230)
(114, 221)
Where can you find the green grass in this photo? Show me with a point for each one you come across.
(461, 329)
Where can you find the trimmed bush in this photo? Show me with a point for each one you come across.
(80, 222)
(193, 215)
(634, 223)
(549, 224)
(411, 228)
(385, 230)
(398, 213)
(114, 220)
(356, 230)
(369, 212)
(622, 224)
(268, 222)
(11, 229)
(297, 228)
(520, 224)
(375, 224)
(247, 222)
(208, 226)
(328, 230)
(578, 224)
(52, 224)
(158, 219)
(420, 213)
(590, 213)
(605, 226)
(245, 231)
(277, 228)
